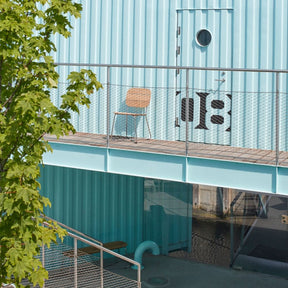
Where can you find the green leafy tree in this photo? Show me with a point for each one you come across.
(27, 75)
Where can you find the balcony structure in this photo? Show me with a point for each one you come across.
(234, 138)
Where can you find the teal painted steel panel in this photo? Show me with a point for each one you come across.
(110, 207)
(105, 206)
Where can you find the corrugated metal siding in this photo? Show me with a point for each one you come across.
(144, 32)
(260, 41)
(122, 32)
(112, 207)
(105, 206)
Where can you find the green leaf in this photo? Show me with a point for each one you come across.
(53, 83)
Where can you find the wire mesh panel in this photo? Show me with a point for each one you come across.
(183, 118)
(64, 271)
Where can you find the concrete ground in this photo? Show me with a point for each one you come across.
(163, 271)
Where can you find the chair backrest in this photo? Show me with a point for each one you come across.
(138, 97)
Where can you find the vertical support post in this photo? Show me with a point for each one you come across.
(43, 260)
(108, 104)
(187, 112)
(101, 268)
(190, 192)
(277, 119)
(231, 236)
(75, 264)
(139, 276)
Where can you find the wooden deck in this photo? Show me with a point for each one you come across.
(208, 151)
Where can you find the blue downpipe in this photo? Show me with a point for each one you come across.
(146, 245)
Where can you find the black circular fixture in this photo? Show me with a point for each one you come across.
(204, 37)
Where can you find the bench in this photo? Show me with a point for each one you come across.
(92, 250)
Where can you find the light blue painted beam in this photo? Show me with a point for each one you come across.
(229, 174)
(246, 176)
(77, 156)
(149, 165)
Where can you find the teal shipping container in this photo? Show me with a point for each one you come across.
(239, 107)
(110, 207)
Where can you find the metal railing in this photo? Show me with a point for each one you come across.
(245, 110)
(68, 268)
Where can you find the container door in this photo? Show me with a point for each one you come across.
(204, 39)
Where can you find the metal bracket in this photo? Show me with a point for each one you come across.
(220, 80)
(178, 50)
(178, 30)
(177, 122)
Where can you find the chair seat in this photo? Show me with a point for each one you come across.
(130, 114)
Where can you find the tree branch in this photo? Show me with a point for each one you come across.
(9, 100)
(1, 64)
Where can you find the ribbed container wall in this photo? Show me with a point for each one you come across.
(252, 34)
(107, 207)
(122, 32)
(259, 41)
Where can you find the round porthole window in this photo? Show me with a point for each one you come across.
(204, 37)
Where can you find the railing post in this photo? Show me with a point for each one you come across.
(43, 260)
(187, 112)
(108, 104)
(101, 268)
(277, 119)
(139, 276)
(231, 236)
(75, 264)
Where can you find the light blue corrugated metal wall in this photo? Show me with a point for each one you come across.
(105, 206)
(144, 32)
(260, 41)
(122, 32)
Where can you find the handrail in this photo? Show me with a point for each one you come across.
(73, 230)
(103, 249)
(172, 67)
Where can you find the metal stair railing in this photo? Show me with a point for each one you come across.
(94, 243)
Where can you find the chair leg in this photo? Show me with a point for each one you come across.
(113, 125)
(126, 124)
(148, 126)
(135, 124)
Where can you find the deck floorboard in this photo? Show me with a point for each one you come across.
(201, 150)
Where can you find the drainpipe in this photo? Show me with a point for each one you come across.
(146, 245)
